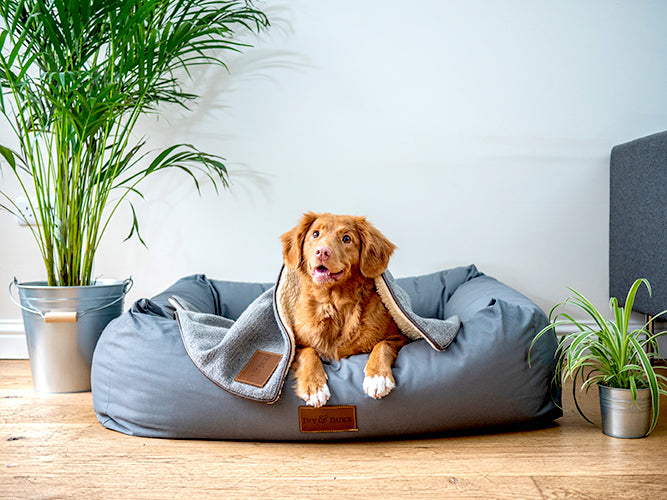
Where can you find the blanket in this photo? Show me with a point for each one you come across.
(251, 357)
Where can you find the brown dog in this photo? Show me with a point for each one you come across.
(339, 312)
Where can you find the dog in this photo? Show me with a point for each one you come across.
(338, 311)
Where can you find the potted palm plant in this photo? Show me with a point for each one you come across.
(605, 352)
(75, 76)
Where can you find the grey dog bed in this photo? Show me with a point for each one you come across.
(144, 383)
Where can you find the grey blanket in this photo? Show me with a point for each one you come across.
(251, 357)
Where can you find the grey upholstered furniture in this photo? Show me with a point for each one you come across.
(638, 221)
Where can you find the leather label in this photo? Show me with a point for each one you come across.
(259, 369)
(328, 419)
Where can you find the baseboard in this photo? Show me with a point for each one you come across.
(13, 344)
(567, 329)
(12, 340)
(633, 325)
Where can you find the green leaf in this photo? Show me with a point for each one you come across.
(652, 380)
(630, 300)
(135, 228)
(8, 155)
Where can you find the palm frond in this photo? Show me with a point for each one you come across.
(75, 76)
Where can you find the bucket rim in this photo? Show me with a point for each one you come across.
(118, 289)
(622, 389)
(43, 285)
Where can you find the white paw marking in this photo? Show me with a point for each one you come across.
(378, 386)
(318, 398)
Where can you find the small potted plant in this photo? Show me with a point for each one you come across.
(605, 352)
(75, 77)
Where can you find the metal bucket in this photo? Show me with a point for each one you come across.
(62, 327)
(621, 416)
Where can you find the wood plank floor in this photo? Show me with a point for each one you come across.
(51, 446)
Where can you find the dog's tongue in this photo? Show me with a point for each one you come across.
(322, 275)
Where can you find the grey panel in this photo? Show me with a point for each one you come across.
(638, 221)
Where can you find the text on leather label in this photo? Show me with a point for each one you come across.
(259, 369)
(328, 418)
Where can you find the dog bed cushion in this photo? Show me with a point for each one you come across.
(144, 383)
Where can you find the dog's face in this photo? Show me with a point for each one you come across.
(331, 248)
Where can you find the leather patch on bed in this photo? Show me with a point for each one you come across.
(259, 369)
(328, 418)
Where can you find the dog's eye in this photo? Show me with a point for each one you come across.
(346, 239)
(316, 234)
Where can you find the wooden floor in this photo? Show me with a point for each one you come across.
(51, 446)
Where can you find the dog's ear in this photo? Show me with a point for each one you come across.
(375, 249)
(293, 240)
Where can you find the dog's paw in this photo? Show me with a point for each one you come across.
(378, 386)
(316, 398)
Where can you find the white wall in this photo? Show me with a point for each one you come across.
(468, 132)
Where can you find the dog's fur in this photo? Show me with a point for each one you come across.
(339, 312)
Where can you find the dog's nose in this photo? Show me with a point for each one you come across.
(323, 253)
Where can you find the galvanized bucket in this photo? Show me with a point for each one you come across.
(62, 326)
(621, 416)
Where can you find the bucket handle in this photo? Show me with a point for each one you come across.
(67, 317)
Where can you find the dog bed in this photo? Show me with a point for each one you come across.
(144, 382)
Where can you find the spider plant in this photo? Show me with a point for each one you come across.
(75, 76)
(605, 351)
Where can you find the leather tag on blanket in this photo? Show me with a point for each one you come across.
(328, 418)
(259, 369)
